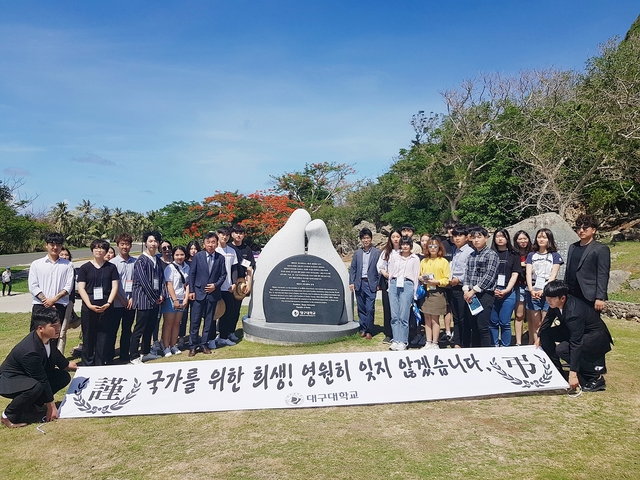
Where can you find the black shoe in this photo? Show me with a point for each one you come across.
(595, 385)
(387, 340)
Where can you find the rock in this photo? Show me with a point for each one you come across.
(616, 279)
(379, 240)
(563, 234)
(627, 310)
(386, 230)
(635, 283)
(365, 224)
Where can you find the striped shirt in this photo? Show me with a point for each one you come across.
(147, 273)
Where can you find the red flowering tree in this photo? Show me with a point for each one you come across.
(261, 213)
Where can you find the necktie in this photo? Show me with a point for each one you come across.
(210, 262)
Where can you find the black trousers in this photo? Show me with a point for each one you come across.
(4, 286)
(386, 314)
(227, 322)
(461, 317)
(146, 321)
(98, 336)
(125, 316)
(594, 347)
(480, 333)
(24, 400)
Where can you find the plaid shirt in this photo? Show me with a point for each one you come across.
(482, 270)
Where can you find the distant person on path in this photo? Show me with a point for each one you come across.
(34, 371)
(123, 310)
(581, 336)
(588, 265)
(363, 281)
(6, 280)
(51, 279)
(206, 276)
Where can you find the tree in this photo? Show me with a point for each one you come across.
(18, 232)
(61, 218)
(318, 185)
(261, 213)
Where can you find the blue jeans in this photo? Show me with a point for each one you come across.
(501, 319)
(400, 300)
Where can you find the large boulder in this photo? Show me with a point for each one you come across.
(563, 234)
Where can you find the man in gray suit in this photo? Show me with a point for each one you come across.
(363, 280)
(588, 265)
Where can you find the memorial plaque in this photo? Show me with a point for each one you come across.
(304, 289)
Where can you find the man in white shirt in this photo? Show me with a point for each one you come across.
(123, 304)
(227, 320)
(51, 279)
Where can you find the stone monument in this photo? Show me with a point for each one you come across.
(563, 234)
(300, 294)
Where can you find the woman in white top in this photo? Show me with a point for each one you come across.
(393, 245)
(176, 276)
(404, 270)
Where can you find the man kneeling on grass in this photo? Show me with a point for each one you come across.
(34, 371)
(582, 338)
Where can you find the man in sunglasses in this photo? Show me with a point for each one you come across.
(588, 265)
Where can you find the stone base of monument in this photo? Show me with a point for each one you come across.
(260, 331)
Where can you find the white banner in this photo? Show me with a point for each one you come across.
(297, 381)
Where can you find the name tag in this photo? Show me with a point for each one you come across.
(502, 280)
(156, 284)
(540, 283)
(128, 286)
(245, 263)
(400, 282)
(98, 293)
(180, 298)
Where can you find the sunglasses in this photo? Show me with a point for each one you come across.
(433, 247)
(166, 249)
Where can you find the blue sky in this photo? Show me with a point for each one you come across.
(139, 104)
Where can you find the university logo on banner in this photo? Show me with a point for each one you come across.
(299, 381)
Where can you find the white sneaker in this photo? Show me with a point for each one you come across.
(233, 338)
(167, 352)
(175, 350)
(136, 361)
(398, 346)
(224, 342)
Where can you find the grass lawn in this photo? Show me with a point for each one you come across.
(626, 256)
(523, 437)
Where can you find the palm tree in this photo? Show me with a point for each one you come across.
(61, 217)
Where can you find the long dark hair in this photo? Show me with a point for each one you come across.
(528, 249)
(388, 248)
(188, 250)
(504, 232)
(551, 247)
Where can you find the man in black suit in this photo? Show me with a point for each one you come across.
(583, 338)
(363, 280)
(588, 265)
(208, 273)
(34, 371)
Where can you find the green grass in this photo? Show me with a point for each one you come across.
(540, 436)
(626, 256)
